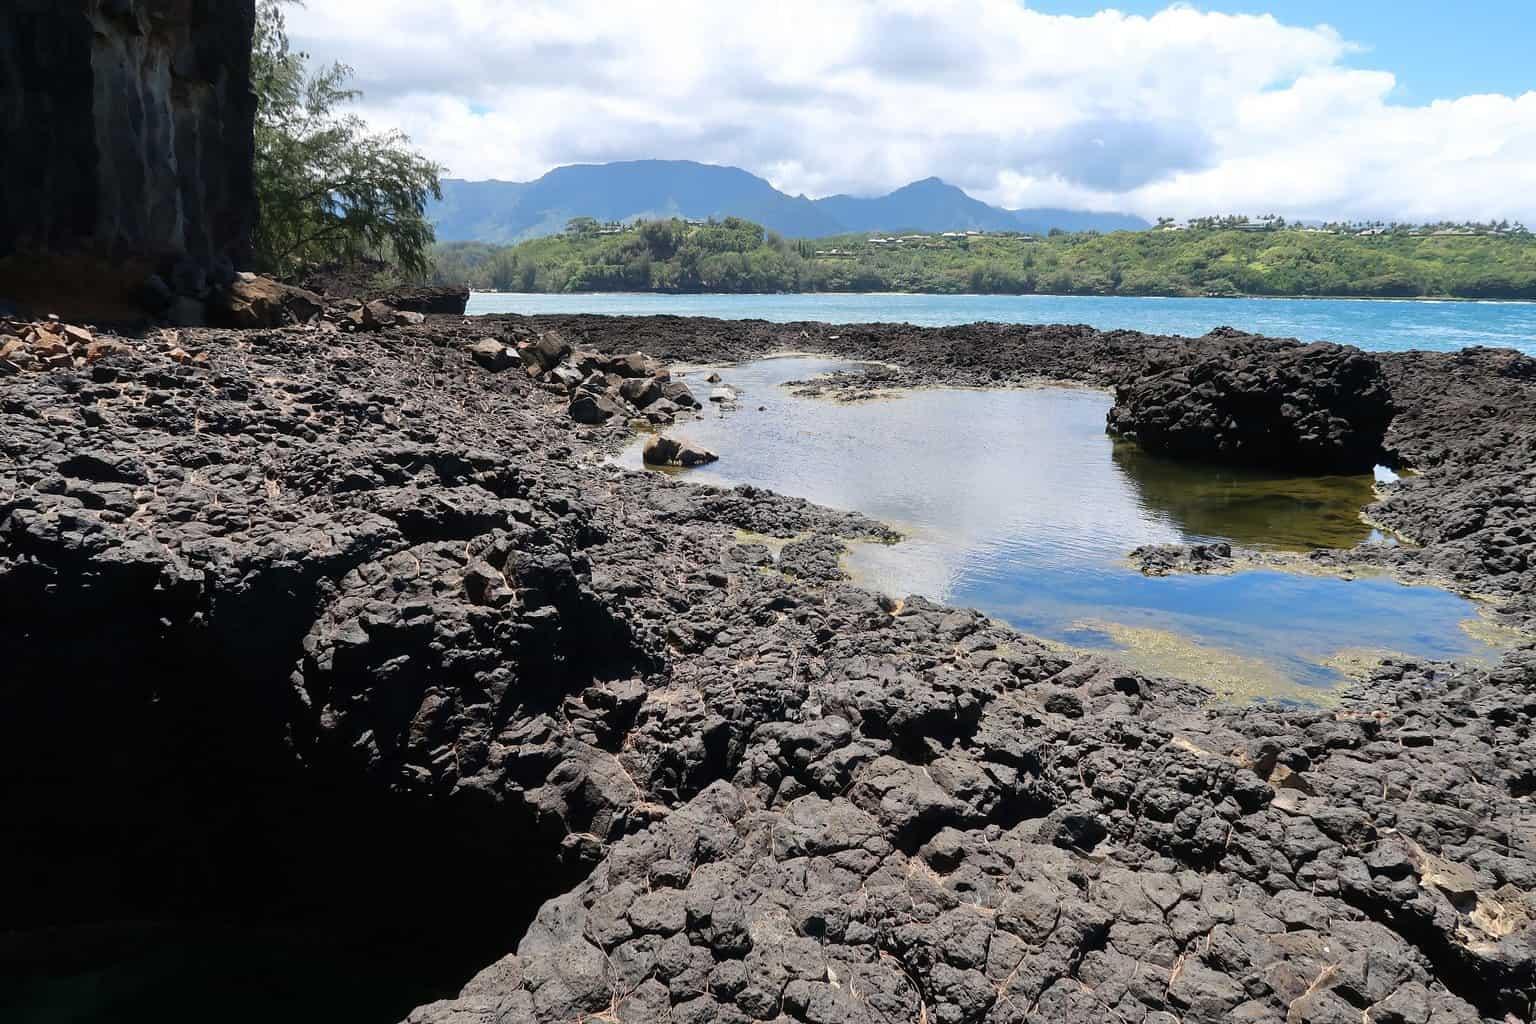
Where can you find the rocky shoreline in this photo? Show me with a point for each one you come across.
(362, 624)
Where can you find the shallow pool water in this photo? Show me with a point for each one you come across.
(1017, 503)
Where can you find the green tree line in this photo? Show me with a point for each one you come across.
(330, 190)
(1216, 257)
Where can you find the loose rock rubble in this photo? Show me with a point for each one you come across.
(380, 568)
(630, 387)
(47, 345)
(372, 315)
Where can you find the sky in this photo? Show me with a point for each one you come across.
(1365, 109)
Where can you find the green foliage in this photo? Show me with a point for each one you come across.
(1224, 256)
(329, 189)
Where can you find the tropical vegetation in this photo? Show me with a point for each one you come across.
(329, 189)
(1215, 256)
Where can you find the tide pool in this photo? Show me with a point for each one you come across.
(1017, 503)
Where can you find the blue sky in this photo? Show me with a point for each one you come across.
(1438, 49)
(1363, 109)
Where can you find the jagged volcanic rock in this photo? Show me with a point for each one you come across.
(349, 623)
(1316, 408)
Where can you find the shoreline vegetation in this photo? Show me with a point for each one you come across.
(1216, 259)
(394, 280)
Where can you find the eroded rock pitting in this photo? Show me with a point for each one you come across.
(354, 624)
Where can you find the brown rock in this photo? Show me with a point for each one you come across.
(592, 407)
(491, 354)
(1284, 778)
(636, 364)
(640, 391)
(678, 393)
(547, 351)
(567, 377)
(255, 301)
(693, 455)
(665, 451)
(660, 451)
(587, 363)
(102, 349)
(378, 314)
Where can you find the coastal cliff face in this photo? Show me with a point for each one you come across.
(129, 142)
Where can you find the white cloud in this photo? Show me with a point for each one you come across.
(1184, 112)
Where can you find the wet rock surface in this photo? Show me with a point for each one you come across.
(668, 451)
(1171, 559)
(367, 576)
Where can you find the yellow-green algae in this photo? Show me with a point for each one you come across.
(1498, 635)
(1233, 677)
(1359, 662)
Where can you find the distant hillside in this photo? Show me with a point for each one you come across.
(934, 205)
(1209, 258)
(927, 205)
(502, 212)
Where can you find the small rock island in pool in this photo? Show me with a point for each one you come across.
(1017, 502)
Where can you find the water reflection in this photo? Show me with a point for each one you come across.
(1250, 507)
(1017, 503)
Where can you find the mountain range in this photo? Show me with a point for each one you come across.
(510, 211)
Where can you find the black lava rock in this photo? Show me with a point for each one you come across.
(1235, 399)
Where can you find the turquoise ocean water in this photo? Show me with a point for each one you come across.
(1379, 325)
